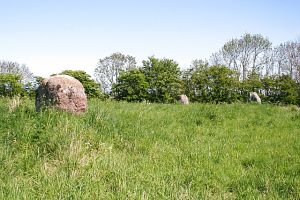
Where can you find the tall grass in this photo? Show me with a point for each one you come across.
(150, 151)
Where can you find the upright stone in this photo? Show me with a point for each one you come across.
(184, 99)
(254, 97)
(62, 92)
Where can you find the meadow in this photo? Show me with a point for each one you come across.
(121, 150)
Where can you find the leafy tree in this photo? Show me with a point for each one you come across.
(215, 84)
(268, 84)
(188, 85)
(190, 88)
(91, 87)
(163, 77)
(131, 86)
(281, 89)
(251, 84)
(109, 69)
(10, 85)
(8, 67)
(285, 90)
(244, 55)
(288, 59)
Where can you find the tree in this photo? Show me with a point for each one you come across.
(230, 53)
(8, 67)
(190, 88)
(215, 84)
(131, 86)
(243, 55)
(252, 48)
(253, 83)
(288, 59)
(260, 46)
(10, 85)
(92, 89)
(109, 69)
(163, 77)
(268, 87)
(284, 90)
(269, 62)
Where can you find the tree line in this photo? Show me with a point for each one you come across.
(242, 65)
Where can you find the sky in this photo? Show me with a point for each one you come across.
(49, 36)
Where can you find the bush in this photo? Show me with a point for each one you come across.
(163, 77)
(215, 84)
(10, 85)
(131, 86)
(285, 90)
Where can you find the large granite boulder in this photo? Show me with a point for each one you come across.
(62, 92)
(254, 97)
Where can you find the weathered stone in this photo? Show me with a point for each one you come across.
(254, 97)
(62, 92)
(183, 99)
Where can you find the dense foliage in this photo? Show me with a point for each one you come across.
(163, 77)
(16, 79)
(243, 65)
(202, 83)
(214, 84)
(281, 89)
(220, 84)
(10, 85)
(8, 67)
(131, 86)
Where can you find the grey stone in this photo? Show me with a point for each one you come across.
(183, 99)
(254, 97)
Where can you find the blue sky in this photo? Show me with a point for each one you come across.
(52, 35)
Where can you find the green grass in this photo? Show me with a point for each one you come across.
(150, 151)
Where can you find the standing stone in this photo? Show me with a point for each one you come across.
(184, 99)
(62, 92)
(254, 97)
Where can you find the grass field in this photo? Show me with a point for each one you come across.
(150, 151)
